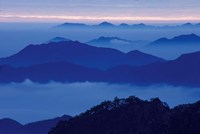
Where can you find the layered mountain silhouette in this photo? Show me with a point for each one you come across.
(77, 53)
(71, 25)
(190, 39)
(117, 43)
(105, 25)
(171, 48)
(72, 61)
(53, 71)
(129, 26)
(183, 71)
(134, 116)
(9, 126)
(57, 39)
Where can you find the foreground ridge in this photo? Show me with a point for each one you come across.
(134, 116)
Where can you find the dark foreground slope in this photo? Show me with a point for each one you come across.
(134, 116)
(9, 126)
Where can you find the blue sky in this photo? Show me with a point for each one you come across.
(98, 10)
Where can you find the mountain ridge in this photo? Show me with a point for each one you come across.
(184, 71)
(133, 115)
(76, 53)
(187, 39)
(125, 25)
(10, 126)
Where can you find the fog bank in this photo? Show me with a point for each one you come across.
(30, 101)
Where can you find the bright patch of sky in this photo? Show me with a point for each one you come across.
(91, 10)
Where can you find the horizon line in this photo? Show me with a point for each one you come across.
(57, 18)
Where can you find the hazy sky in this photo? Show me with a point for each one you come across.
(99, 10)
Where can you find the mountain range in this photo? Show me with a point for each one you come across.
(127, 26)
(189, 39)
(183, 71)
(134, 116)
(9, 126)
(171, 48)
(78, 53)
(180, 40)
(72, 61)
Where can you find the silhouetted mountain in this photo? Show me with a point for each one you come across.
(54, 71)
(76, 53)
(182, 71)
(9, 126)
(191, 39)
(129, 26)
(142, 25)
(57, 39)
(190, 25)
(124, 25)
(71, 25)
(105, 25)
(134, 116)
(42, 127)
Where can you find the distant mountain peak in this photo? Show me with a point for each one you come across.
(57, 39)
(108, 38)
(105, 23)
(140, 24)
(191, 37)
(186, 39)
(187, 24)
(73, 24)
(123, 25)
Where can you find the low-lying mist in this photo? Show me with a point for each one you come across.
(28, 101)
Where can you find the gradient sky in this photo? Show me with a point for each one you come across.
(98, 10)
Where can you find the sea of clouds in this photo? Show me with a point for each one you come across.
(28, 101)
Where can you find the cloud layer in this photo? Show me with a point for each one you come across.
(30, 101)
